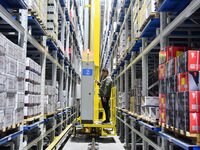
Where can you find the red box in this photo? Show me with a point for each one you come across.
(162, 57)
(188, 81)
(193, 60)
(162, 101)
(194, 123)
(189, 61)
(174, 51)
(194, 101)
(162, 115)
(162, 71)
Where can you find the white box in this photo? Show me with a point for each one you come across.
(21, 85)
(21, 70)
(28, 99)
(3, 100)
(10, 100)
(2, 113)
(10, 49)
(3, 62)
(11, 67)
(29, 87)
(11, 86)
(29, 75)
(2, 83)
(29, 63)
(154, 113)
(150, 101)
(20, 99)
(18, 116)
(3, 45)
(8, 118)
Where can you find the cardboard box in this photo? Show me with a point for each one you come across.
(162, 115)
(8, 118)
(20, 99)
(162, 71)
(162, 86)
(171, 84)
(194, 101)
(182, 120)
(150, 101)
(10, 100)
(2, 113)
(162, 101)
(162, 57)
(11, 86)
(2, 83)
(170, 102)
(21, 70)
(188, 81)
(132, 104)
(3, 100)
(188, 61)
(174, 51)
(20, 85)
(170, 118)
(11, 66)
(153, 113)
(182, 102)
(171, 67)
(194, 126)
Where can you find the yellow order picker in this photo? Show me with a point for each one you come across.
(92, 113)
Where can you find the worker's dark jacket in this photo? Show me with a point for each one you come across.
(105, 87)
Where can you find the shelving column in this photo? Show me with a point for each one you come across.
(163, 44)
(133, 77)
(126, 118)
(144, 85)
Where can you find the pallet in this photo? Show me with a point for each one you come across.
(191, 138)
(151, 16)
(11, 127)
(48, 115)
(32, 119)
(37, 16)
(149, 121)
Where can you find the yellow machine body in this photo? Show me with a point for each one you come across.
(93, 55)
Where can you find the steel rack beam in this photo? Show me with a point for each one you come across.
(10, 137)
(189, 10)
(141, 135)
(179, 143)
(5, 15)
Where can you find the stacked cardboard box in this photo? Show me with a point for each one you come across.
(182, 89)
(136, 9)
(32, 89)
(122, 100)
(136, 95)
(51, 102)
(12, 68)
(40, 9)
(52, 19)
(187, 102)
(150, 108)
(167, 83)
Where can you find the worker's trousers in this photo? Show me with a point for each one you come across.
(106, 107)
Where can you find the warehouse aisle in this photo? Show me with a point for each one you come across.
(105, 143)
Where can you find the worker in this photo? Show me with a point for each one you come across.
(105, 93)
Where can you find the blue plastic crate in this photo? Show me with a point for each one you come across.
(36, 26)
(13, 4)
(173, 5)
(137, 46)
(150, 28)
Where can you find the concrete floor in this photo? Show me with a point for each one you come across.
(81, 142)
